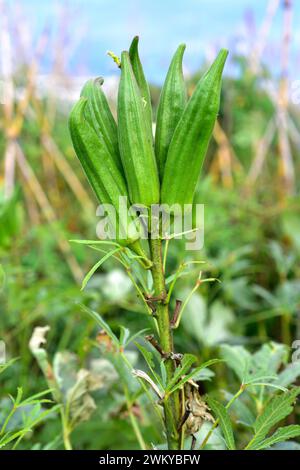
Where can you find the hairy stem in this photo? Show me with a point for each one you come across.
(172, 411)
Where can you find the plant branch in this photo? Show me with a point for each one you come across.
(171, 404)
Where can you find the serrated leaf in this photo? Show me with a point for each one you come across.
(282, 434)
(277, 409)
(289, 374)
(186, 363)
(222, 414)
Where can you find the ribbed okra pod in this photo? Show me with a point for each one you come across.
(141, 79)
(171, 105)
(135, 140)
(99, 115)
(101, 171)
(191, 137)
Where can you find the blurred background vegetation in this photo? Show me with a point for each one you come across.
(250, 188)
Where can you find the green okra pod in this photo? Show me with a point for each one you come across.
(191, 137)
(141, 79)
(99, 115)
(135, 140)
(102, 174)
(171, 105)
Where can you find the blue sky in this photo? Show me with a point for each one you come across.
(203, 25)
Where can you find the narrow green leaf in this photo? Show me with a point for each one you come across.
(289, 374)
(2, 277)
(222, 414)
(276, 409)
(103, 325)
(141, 79)
(33, 398)
(95, 242)
(268, 384)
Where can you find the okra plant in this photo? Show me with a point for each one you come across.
(124, 159)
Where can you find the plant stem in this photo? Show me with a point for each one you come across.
(172, 411)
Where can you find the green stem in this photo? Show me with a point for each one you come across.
(205, 440)
(154, 403)
(171, 404)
